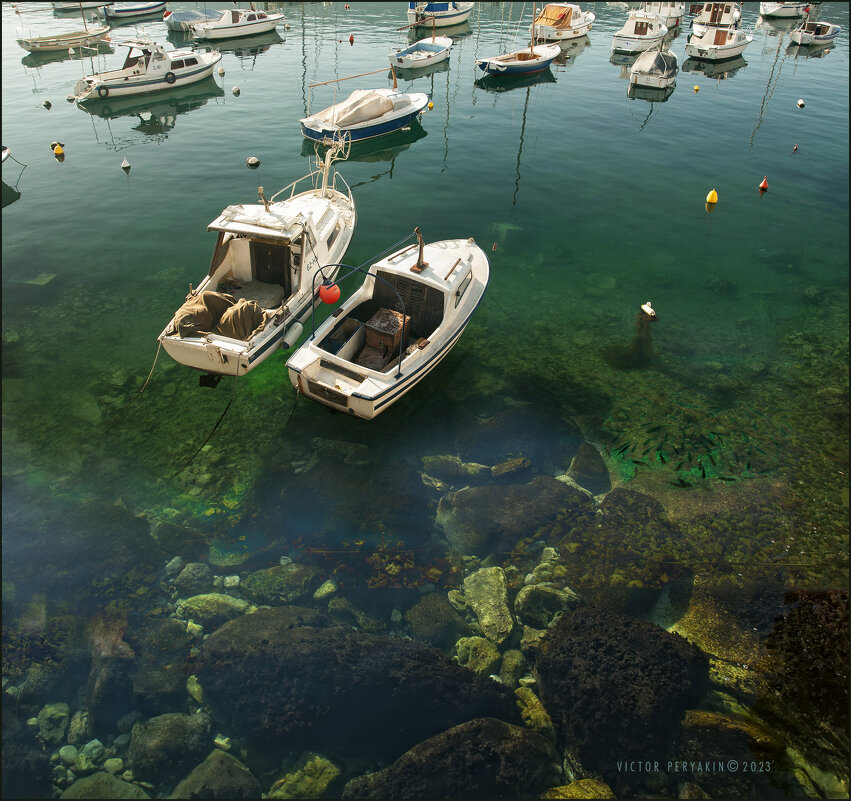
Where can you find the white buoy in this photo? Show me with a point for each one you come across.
(70, 98)
(221, 71)
(648, 309)
(253, 162)
(47, 104)
(235, 91)
(800, 102)
(125, 165)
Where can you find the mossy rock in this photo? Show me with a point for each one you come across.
(103, 785)
(477, 654)
(282, 584)
(212, 608)
(582, 788)
(309, 778)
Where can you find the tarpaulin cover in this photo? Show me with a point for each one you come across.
(216, 312)
(360, 106)
(556, 16)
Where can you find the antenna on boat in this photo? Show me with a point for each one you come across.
(338, 150)
(263, 198)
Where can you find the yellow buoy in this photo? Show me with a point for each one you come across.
(431, 105)
(712, 197)
(696, 88)
(58, 151)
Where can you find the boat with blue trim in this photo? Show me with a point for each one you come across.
(440, 15)
(815, 33)
(408, 313)
(266, 271)
(521, 62)
(117, 11)
(148, 67)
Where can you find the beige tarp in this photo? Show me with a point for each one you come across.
(556, 16)
(360, 106)
(215, 312)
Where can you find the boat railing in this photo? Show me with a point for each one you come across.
(314, 179)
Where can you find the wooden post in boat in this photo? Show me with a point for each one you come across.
(393, 70)
(263, 198)
(420, 265)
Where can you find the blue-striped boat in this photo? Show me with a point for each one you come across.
(521, 62)
(365, 113)
(439, 15)
(116, 11)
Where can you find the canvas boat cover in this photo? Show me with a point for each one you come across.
(256, 215)
(555, 16)
(218, 313)
(360, 106)
(655, 62)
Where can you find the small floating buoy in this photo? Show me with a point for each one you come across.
(235, 91)
(795, 149)
(800, 102)
(763, 185)
(648, 309)
(431, 105)
(125, 165)
(253, 162)
(221, 71)
(351, 38)
(696, 88)
(712, 197)
(70, 98)
(54, 145)
(493, 247)
(329, 293)
(47, 104)
(58, 151)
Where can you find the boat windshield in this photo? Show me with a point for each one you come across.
(135, 56)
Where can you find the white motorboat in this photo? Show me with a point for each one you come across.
(266, 273)
(561, 22)
(391, 332)
(787, 10)
(119, 11)
(716, 15)
(640, 32)
(717, 44)
(235, 22)
(182, 20)
(815, 33)
(65, 41)
(149, 67)
(654, 69)
(671, 14)
(441, 15)
(424, 53)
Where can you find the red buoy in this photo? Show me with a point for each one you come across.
(493, 248)
(795, 149)
(329, 293)
(764, 184)
(351, 38)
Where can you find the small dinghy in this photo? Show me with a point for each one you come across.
(717, 44)
(409, 312)
(265, 274)
(654, 69)
(65, 41)
(640, 32)
(235, 22)
(424, 53)
(521, 62)
(815, 33)
(119, 11)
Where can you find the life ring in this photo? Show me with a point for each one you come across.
(169, 77)
(103, 91)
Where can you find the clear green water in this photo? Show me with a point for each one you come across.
(588, 203)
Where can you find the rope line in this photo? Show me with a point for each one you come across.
(133, 399)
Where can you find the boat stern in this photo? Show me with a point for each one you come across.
(329, 384)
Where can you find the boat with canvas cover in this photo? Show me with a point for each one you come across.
(265, 274)
(182, 20)
(408, 313)
(561, 22)
(815, 33)
(654, 69)
(149, 67)
(442, 15)
(235, 22)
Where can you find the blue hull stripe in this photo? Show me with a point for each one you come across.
(276, 338)
(117, 87)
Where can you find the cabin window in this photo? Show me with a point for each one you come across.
(640, 28)
(176, 65)
(251, 18)
(190, 62)
(261, 15)
(459, 293)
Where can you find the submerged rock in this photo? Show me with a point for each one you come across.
(434, 619)
(212, 608)
(486, 594)
(159, 680)
(477, 654)
(482, 758)
(581, 789)
(589, 470)
(194, 579)
(537, 604)
(53, 722)
(220, 775)
(309, 778)
(452, 469)
(103, 785)
(282, 584)
(167, 747)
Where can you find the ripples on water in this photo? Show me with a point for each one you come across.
(727, 449)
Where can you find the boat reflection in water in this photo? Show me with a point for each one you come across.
(452, 31)
(412, 73)
(9, 194)
(651, 94)
(36, 60)
(249, 45)
(570, 50)
(715, 69)
(809, 51)
(379, 148)
(625, 62)
(157, 114)
(494, 83)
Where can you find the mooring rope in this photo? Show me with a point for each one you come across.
(133, 399)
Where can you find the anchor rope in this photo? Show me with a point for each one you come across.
(133, 399)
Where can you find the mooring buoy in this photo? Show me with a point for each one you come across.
(253, 162)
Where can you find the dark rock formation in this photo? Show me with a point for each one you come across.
(26, 765)
(434, 620)
(165, 748)
(159, 680)
(589, 470)
(194, 579)
(220, 775)
(103, 785)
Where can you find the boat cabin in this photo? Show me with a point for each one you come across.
(718, 14)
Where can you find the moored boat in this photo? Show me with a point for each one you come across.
(119, 11)
(521, 62)
(670, 14)
(408, 313)
(716, 15)
(815, 33)
(424, 53)
(440, 15)
(266, 272)
(65, 41)
(235, 22)
(640, 32)
(655, 69)
(149, 67)
(717, 44)
(787, 10)
(181, 20)
(561, 22)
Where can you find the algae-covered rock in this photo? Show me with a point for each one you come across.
(167, 747)
(486, 594)
(161, 646)
(212, 608)
(537, 604)
(434, 619)
(282, 584)
(589, 470)
(194, 579)
(182, 541)
(309, 778)
(103, 785)
(220, 775)
(533, 713)
(482, 758)
(477, 654)
(53, 722)
(344, 613)
(512, 668)
(453, 470)
(582, 788)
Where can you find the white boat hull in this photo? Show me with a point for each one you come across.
(417, 58)
(807, 38)
(203, 30)
(783, 10)
(651, 81)
(717, 53)
(46, 44)
(441, 19)
(548, 33)
(130, 10)
(635, 44)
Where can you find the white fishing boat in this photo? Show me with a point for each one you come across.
(441, 15)
(561, 22)
(266, 273)
(783, 10)
(149, 67)
(391, 332)
(640, 32)
(671, 14)
(716, 15)
(717, 44)
(182, 20)
(815, 33)
(424, 53)
(235, 22)
(119, 11)
(65, 41)
(654, 69)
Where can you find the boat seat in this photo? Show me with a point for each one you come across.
(269, 296)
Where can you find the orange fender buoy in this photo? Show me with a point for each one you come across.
(351, 38)
(763, 184)
(795, 149)
(329, 293)
(493, 247)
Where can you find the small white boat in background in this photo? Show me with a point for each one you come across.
(717, 44)
(181, 20)
(671, 14)
(6, 153)
(561, 22)
(640, 32)
(65, 41)
(815, 33)
(423, 53)
(235, 22)
(408, 313)
(521, 62)
(149, 67)
(118, 11)
(266, 273)
(442, 15)
(716, 15)
(654, 69)
(787, 10)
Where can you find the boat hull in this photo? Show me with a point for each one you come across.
(132, 10)
(202, 30)
(507, 66)
(414, 57)
(442, 19)
(711, 53)
(783, 10)
(359, 133)
(651, 81)
(45, 44)
(548, 33)
(635, 44)
(805, 38)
